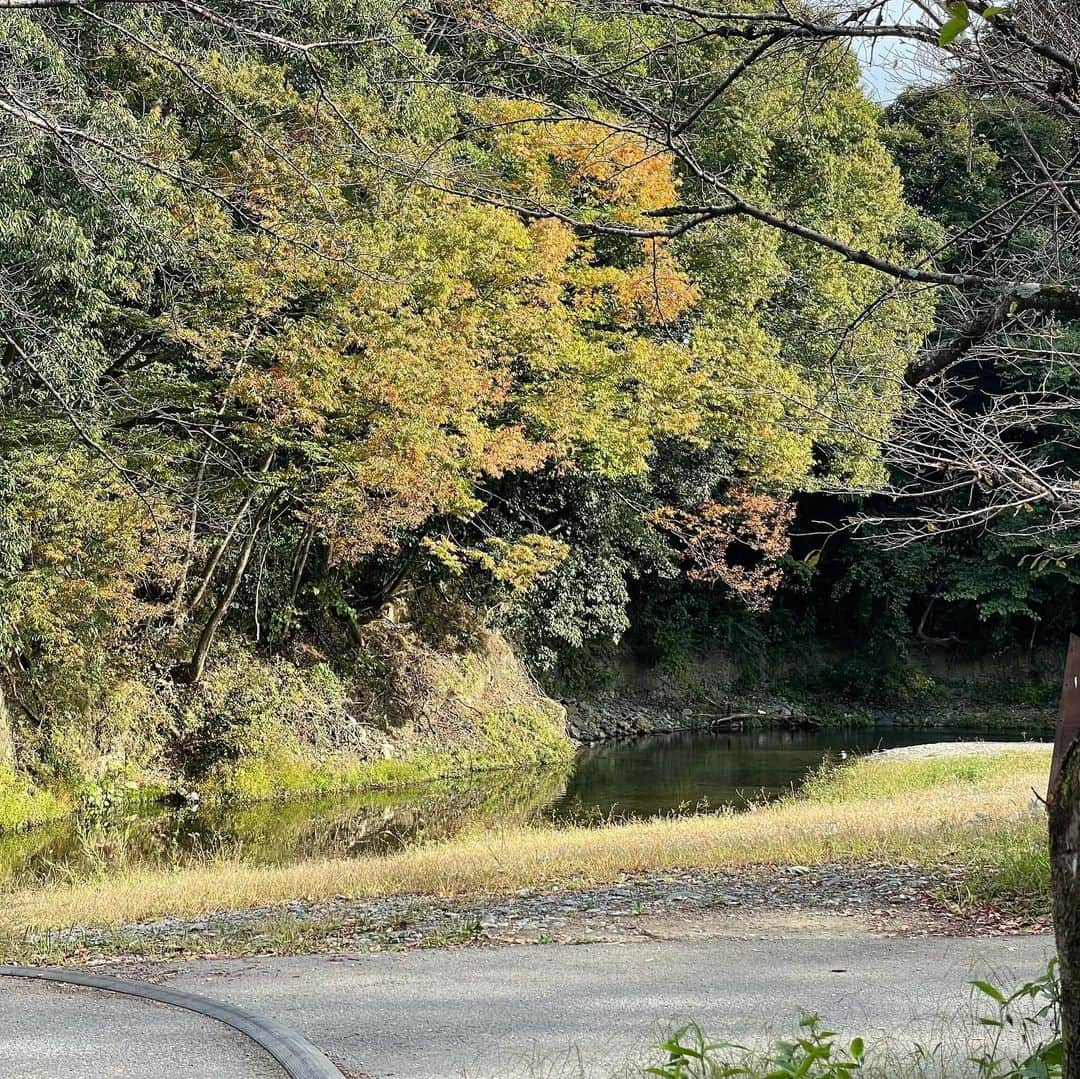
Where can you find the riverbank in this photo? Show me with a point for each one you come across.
(810, 684)
(402, 711)
(967, 821)
(833, 900)
(607, 717)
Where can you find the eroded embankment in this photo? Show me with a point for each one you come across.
(401, 711)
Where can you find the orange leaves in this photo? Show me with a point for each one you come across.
(656, 292)
(653, 293)
(614, 168)
(738, 542)
(592, 172)
(583, 163)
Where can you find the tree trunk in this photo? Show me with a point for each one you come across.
(1064, 812)
(192, 671)
(7, 739)
(219, 547)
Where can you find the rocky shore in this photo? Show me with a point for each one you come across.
(602, 719)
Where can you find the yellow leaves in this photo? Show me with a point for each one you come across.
(612, 401)
(519, 564)
(513, 12)
(84, 553)
(509, 449)
(553, 242)
(276, 398)
(563, 161)
(754, 401)
(446, 341)
(653, 293)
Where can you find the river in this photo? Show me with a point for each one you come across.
(644, 777)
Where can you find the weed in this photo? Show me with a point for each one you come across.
(1024, 1029)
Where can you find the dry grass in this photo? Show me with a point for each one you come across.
(875, 810)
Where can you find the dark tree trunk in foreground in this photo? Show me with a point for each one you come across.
(1065, 875)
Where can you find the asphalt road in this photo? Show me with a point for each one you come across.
(586, 1010)
(64, 1032)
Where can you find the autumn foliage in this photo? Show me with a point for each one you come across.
(288, 340)
(738, 542)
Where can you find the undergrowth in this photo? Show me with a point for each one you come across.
(1011, 1035)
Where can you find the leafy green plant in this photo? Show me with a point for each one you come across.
(812, 1054)
(1027, 1019)
(1033, 1014)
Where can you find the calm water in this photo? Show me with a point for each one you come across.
(661, 774)
(645, 777)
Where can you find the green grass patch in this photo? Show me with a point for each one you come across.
(1008, 866)
(867, 778)
(23, 805)
(1006, 860)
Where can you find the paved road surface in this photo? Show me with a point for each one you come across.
(65, 1032)
(495, 1012)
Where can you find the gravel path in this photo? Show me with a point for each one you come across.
(829, 900)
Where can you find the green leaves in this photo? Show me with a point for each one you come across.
(813, 1054)
(959, 19)
(1032, 1016)
(989, 990)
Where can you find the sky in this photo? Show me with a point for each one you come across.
(890, 64)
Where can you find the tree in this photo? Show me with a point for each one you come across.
(277, 376)
(340, 271)
(997, 454)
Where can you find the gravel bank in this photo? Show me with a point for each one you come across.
(952, 749)
(765, 902)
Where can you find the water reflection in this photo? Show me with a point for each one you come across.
(663, 774)
(275, 833)
(645, 777)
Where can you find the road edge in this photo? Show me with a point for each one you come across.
(297, 1056)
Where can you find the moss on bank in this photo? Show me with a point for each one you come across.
(398, 712)
(23, 805)
(277, 730)
(282, 766)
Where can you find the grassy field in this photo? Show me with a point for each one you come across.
(973, 810)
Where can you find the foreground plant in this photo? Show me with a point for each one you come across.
(1033, 1011)
(1029, 1016)
(813, 1054)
